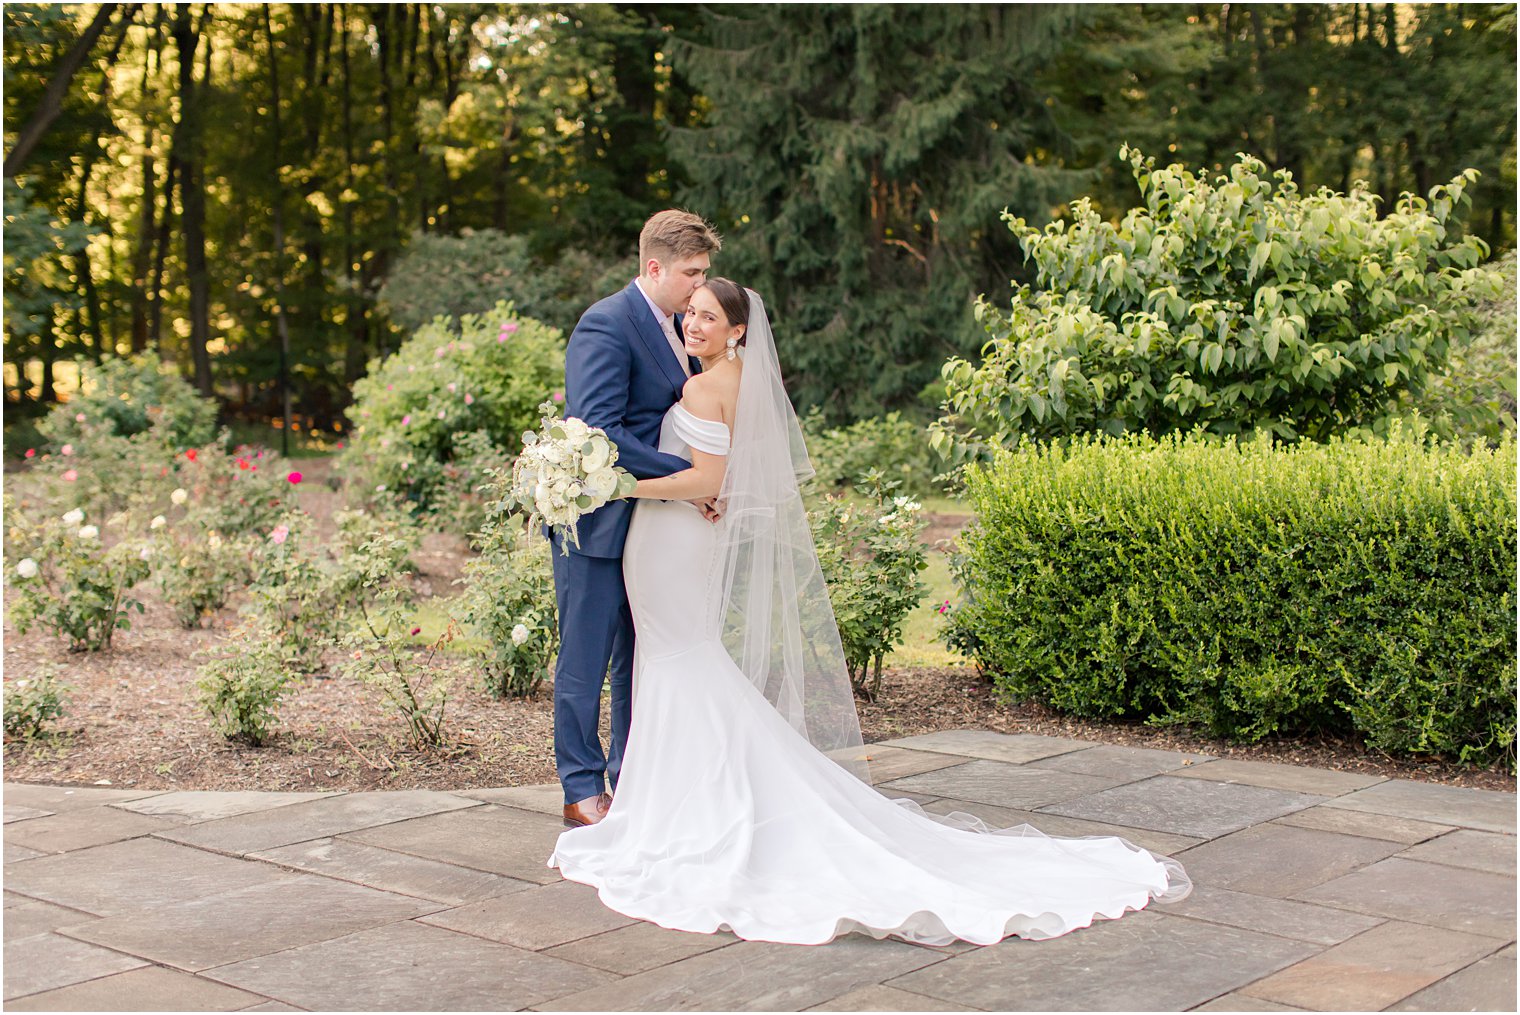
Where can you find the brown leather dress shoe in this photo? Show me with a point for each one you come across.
(588, 811)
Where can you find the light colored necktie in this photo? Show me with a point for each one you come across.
(676, 345)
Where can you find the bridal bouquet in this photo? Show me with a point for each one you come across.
(566, 470)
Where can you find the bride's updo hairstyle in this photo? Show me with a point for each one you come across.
(734, 301)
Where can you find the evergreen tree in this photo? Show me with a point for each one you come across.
(856, 159)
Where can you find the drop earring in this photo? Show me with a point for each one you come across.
(733, 350)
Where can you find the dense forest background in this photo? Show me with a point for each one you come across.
(259, 192)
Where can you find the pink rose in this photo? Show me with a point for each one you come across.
(406, 420)
(79, 417)
(31, 452)
(453, 387)
(70, 476)
(469, 399)
(510, 328)
(67, 449)
(294, 477)
(558, 396)
(280, 534)
(440, 413)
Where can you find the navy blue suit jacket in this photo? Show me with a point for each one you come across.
(621, 376)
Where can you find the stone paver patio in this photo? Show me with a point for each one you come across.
(1315, 890)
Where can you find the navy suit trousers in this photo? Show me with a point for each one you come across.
(596, 640)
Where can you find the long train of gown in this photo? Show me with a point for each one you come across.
(726, 818)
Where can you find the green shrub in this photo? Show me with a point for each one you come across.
(871, 557)
(413, 409)
(508, 601)
(132, 395)
(1366, 584)
(890, 444)
(1230, 303)
(1475, 397)
(467, 274)
(244, 491)
(241, 686)
(292, 595)
(72, 581)
(32, 705)
(196, 569)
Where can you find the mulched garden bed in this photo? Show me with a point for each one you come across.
(132, 720)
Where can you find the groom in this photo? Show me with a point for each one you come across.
(625, 365)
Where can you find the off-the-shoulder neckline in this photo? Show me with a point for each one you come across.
(698, 419)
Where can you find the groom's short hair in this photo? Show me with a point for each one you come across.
(674, 235)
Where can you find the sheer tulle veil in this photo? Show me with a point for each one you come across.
(777, 621)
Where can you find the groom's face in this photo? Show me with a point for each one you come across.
(672, 282)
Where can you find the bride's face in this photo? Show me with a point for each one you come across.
(706, 326)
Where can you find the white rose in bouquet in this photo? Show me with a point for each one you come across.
(602, 483)
(599, 455)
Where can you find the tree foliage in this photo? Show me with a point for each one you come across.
(1233, 303)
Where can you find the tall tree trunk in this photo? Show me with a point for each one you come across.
(356, 314)
(282, 327)
(187, 155)
(51, 104)
(89, 313)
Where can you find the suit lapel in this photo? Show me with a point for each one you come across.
(650, 334)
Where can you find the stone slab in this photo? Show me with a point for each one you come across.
(197, 805)
(1121, 764)
(16, 812)
(888, 763)
(29, 918)
(47, 961)
(1284, 918)
(1294, 778)
(638, 947)
(390, 871)
(1001, 784)
(127, 877)
(15, 853)
(1242, 1002)
(1372, 970)
(1486, 985)
(1015, 748)
(1141, 962)
(1197, 807)
(1280, 860)
(1479, 851)
(499, 840)
(314, 819)
(879, 998)
(1055, 824)
(1472, 901)
(409, 967)
(539, 918)
(68, 798)
(273, 1006)
(1369, 826)
(151, 988)
(548, 798)
(754, 976)
(218, 929)
(82, 828)
(1484, 809)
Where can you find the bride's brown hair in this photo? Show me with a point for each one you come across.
(733, 299)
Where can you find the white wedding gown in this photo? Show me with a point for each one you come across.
(726, 818)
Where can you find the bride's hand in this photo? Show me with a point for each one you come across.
(709, 508)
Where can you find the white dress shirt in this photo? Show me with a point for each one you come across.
(668, 326)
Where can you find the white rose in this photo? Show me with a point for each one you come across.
(576, 430)
(146, 553)
(519, 634)
(598, 457)
(88, 532)
(74, 517)
(27, 568)
(179, 496)
(158, 522)
(602, 483)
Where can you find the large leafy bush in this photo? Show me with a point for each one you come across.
(413, 408)
(893, 445)
(1365, 584)
(1231, 303)
(124, 397)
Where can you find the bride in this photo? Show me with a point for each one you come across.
(742, 803)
